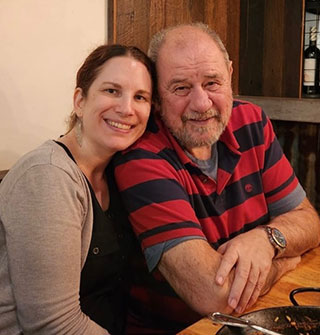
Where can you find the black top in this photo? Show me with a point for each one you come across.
(106, 275)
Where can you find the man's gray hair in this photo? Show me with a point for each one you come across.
(159, 38)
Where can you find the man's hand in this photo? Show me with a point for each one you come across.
(278, 269)
(250, 254)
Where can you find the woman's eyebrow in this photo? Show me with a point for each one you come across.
(110, 83)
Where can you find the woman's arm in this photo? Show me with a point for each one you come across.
(43, 223)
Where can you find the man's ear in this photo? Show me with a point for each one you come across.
(230, 69)
(78, 101)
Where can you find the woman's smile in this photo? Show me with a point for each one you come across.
(118, 125)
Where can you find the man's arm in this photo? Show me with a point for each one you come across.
(190, 268)
(301, 227)
(251, 251)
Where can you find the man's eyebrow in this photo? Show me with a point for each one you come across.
(213, 75)
(176, 81)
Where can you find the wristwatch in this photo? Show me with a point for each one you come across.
(277, 239)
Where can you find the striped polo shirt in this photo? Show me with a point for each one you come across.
(169, 199)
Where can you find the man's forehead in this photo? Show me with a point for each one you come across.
(190, 56)
(187, 46)
(183, 36)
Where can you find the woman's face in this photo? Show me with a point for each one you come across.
(116, 109)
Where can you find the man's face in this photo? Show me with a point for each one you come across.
(194, 82)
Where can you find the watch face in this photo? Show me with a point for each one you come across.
(279, 238)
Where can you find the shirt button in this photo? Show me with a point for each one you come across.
(95, 250)
(204, 180)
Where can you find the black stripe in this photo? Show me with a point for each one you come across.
(272, 155)
(216, 205)
(153, 191)
(264, 118)
(250, 136)
(162, 190)
(172, 158)
(169, 155)
(132, 155)
(168, 227)
(228, 160)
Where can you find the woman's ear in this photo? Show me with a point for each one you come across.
(78, 101)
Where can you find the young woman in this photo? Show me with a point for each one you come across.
(64, 249)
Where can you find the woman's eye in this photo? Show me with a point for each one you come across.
(140, 97)
(111, 90)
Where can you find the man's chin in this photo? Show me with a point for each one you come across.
(191, 142)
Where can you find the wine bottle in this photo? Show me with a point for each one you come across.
(311, 67)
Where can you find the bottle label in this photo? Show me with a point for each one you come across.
(309, 72)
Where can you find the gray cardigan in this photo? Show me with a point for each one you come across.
(45, 231)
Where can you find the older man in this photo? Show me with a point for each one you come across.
(216, 206)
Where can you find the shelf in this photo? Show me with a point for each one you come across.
(287, 109)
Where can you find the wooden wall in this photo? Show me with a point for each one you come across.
(135, 21)
(271, 37)
(271, 44)
(301, 144)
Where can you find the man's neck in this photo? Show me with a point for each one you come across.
(202, 153)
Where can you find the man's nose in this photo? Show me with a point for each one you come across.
(200, 101)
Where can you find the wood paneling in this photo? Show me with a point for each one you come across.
(300, 143)
(293, 46)
(251, 47)
(135, 21)
(270, 47)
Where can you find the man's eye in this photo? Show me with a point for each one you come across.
(181, 90)
(211, 85)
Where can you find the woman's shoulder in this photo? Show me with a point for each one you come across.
(47, 159)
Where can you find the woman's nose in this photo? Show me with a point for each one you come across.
(200, 101)
(125, 106)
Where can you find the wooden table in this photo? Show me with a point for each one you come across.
(306, 274)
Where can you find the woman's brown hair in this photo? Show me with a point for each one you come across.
(92, 65)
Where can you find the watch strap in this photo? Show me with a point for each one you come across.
(277, 240)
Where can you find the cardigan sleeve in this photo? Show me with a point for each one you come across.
(43, 220)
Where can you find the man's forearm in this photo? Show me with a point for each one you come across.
(190, 269)
(278, 268)
(301, 227)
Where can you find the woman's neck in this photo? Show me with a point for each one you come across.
(92, 165)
